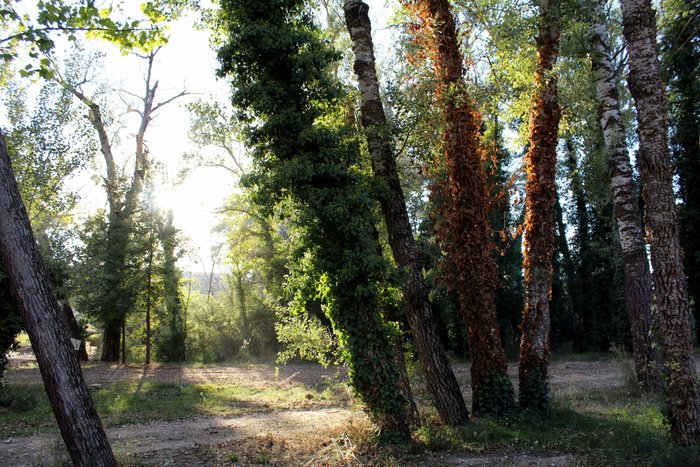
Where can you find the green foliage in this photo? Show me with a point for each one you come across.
(534, 394)
(303, 155)
(69, 18)
(170, 336)
(307, 339)
(496, 396)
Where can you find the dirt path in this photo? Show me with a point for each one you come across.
(178, 436)
(187, 442)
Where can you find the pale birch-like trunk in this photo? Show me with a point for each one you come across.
(68, 394)
(670, 288)
(638, 283)
(538, 240)
(439, 377)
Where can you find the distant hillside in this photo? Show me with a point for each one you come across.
(200, 281)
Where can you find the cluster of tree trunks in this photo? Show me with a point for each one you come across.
(638, 285)
(439, 378)
(661, 220)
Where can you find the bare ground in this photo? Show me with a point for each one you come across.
(312, 432)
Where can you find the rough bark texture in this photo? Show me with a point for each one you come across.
(70, 399)
(670, 290)
(73, 330)
(638, 284)
(538, 240)
(440, 380)
(466, 229)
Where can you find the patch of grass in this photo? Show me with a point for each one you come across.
(26, 409)
(600, 428)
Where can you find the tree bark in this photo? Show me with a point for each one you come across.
(538, 240)
(70, 400)
(466, 230)
(149, 293)
(440, 380)
(638, 283)
(73, 330)
(110, 340)
(671, 295)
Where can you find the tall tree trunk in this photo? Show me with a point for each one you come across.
(111, 340)
(123, 336)
(638, 284)
(241, 304)
(440, 380)
(467, 230)
(671, 295)
(149, 293)
(75, 413)
(572, 285)
(576, 271)
(538, 240)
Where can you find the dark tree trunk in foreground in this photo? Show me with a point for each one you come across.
(440, 380)
(638, 285)
(466, 229)
(538, 240)
(75, 413)
(671, 295)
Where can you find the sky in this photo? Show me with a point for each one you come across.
(187, 63)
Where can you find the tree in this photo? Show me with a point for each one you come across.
(466, 229)
(116, 299)
(75, 413)
(638, 284)
(538, 241)
(290, 104)
(661, 220)
(680, 50)
(171, 337)
(439, 378)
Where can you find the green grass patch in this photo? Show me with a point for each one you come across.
(24, 409)
(604, 427)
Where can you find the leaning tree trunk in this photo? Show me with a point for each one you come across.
(671, 295)
(638, 285)
(75, 413)
(538, 241)
(467, 228)
(440, 380)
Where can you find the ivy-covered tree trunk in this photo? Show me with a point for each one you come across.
(68, 394)
(279, 67)
(671, 296)
(439, 378)
(638, 284)
(170, 345)
(466, 230)
(538, 241)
